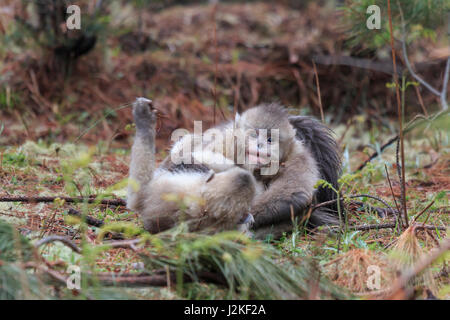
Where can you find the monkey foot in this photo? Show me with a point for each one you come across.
(143, 113)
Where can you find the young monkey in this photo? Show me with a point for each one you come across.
(171, 193)
(306, 153)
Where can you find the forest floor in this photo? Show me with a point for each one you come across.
(38, 169)
(72, 136)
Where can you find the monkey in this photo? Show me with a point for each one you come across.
(171, 193)
(306, 153)
(241, 194)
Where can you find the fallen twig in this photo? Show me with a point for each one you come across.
(111, 202)
(89, 220)
(133, 280)
(392, 225)
(413, 123)
(382, 212)
(95, 223)
(423, 211)
(376, 154)
(62, 239)
(52, 274)
(158, 278)
(351, 197)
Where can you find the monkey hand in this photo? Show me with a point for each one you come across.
(248, 219)
(144, 114)
(246, 224)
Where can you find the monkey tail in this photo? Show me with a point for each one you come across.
(324, 216)
(319, 139)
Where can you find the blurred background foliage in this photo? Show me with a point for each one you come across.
(190, 56)
(422, 20)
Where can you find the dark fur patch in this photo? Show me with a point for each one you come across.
(188, 168)
(319, 140)
(168, 165)
(159, 224)
(323, 216)
(280, 210)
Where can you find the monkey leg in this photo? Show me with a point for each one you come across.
(142, 153)
(276, 209)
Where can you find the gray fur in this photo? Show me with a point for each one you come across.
(290, 192)
(222, 196)
(318, 138)
(172, 193)
(143, 152)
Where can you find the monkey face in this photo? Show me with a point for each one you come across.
(268, 137)
(262, 147)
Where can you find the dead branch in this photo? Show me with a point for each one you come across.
(423, 211)
(409, 126)
(376, 154)
(62, 239)
(110, 202)
(351, 197)
(89, 220)
(392, 225)
(95, 223)
(382, 212)
(157, 278)
(52, 274)
(132, 280)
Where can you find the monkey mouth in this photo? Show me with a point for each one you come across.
(257, 159)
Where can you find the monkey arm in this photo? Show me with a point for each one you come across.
(272, 210)
(291, 190)
(142, 153)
